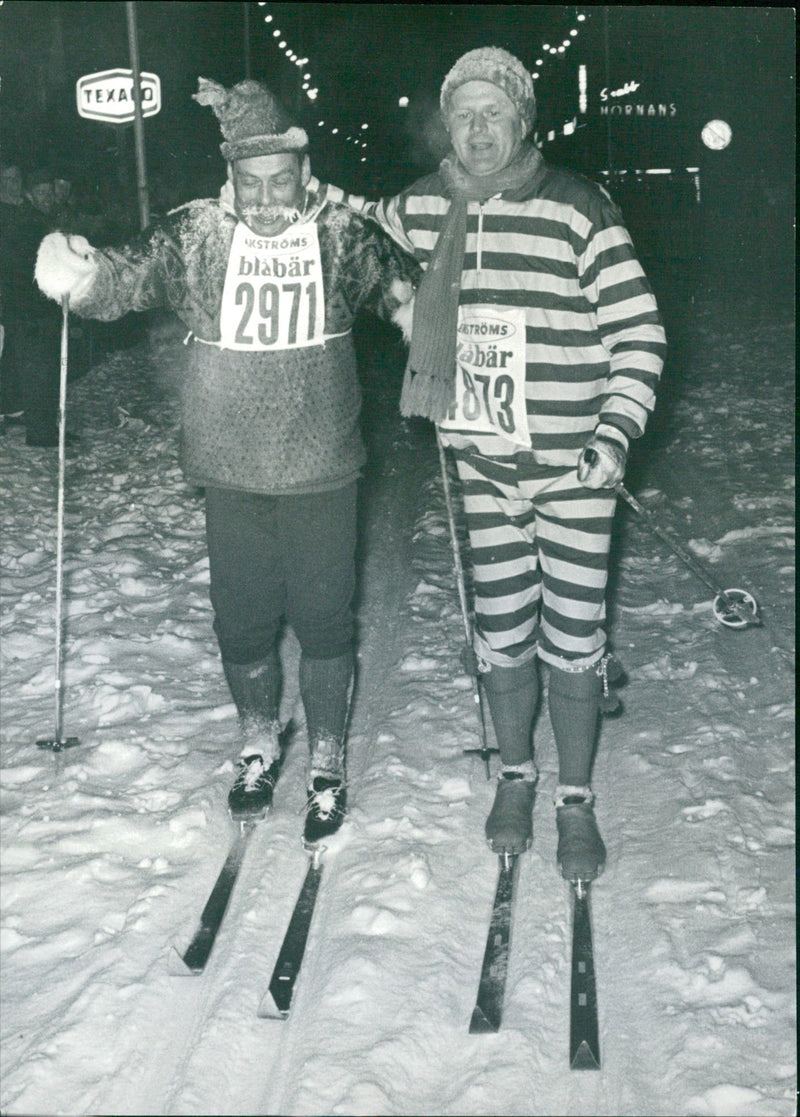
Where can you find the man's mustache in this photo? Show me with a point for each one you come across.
(268, 215)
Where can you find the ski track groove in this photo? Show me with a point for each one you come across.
(377, 654)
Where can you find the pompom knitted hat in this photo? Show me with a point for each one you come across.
(252, 120)
(497, 66)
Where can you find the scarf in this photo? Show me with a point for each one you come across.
(430, 378)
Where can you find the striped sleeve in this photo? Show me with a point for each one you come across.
(629, 324)
(386, 212)
(333, 193)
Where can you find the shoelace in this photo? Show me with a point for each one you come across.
(324, 803)
(250, 772)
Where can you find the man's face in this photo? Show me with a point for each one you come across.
(62, 188)
(485, 128)
(268, 190)
(11, 185)
(42, 197)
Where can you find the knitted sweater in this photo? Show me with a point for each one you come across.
(594, 342)
(276, 421)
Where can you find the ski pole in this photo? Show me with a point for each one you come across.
(468, 658)
(735, 608)
(688, 559)
(57, 742)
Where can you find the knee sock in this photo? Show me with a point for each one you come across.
(255, 688)
(513, 694)
(573, 701)
(325, 690)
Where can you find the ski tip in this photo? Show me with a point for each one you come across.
(268, 1010)
(584, 1058)
(177, 967)
(480, 1024)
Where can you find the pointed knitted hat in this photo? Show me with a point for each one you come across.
(497, 66)
(252, 120)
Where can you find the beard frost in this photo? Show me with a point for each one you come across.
(269, 215)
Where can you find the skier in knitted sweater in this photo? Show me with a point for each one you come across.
(268, 279)
(536, 349)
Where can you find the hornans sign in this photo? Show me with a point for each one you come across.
(108, 95)
(627, 101)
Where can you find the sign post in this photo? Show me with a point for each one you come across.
(121, 96)
(138, 127)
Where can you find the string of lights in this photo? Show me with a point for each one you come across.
(356, 137)
(569, 127)
(580, 17)
(359, 139)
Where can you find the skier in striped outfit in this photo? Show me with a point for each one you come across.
(536, 349)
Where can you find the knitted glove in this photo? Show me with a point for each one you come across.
(65, 265)
(602, 462)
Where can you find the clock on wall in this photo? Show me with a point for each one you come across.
(716, 134)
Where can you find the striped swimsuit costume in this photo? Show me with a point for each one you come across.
(557, 266)
(539, 542)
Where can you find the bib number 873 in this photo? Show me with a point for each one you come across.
(275, 304)
(488, 399)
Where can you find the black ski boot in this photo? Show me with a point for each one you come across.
(327, 791)
(325, 810)
(251, 794)
(509, 827)
(255, 689)
(581, 854)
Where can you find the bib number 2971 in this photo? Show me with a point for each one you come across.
(266, 306)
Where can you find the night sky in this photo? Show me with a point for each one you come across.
(704, 62)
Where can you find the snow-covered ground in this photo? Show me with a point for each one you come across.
(106, 863)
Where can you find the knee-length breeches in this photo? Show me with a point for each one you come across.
(282, 557)
(539, 542)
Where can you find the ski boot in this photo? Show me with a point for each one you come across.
(509, 827)
(581, 854)
(251, 794)
(327, 791)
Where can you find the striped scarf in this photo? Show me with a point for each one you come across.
(430, 378)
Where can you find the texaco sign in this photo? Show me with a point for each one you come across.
(108, 95)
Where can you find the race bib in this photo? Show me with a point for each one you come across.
(490, 374)
(273, 296)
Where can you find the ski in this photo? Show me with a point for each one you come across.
(488, 1012)
(197, 953)
(276, 1002)
(584, 1044)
